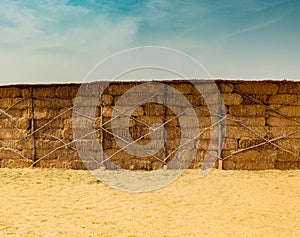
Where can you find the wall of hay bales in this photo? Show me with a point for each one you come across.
(262, 129)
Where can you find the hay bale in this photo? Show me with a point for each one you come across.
(67, 134)
(53, 164)
(254, 99)
(149, 120)
(232, 99)
(10, 92)
(289, 87)
(229, 165)
(20, 123)
(45, 113)
(259, 87)
(13, 134)
(245, 142)
(157, 165)
(225, 87)
(204, 88)
(57, 123)
(246, 156)
(195, 100)
(7, 153)
(18, 113)
(15, 163)
(291, 111)
(280, 99)
(241, 132)
(107, 99)
(283, 165)
(107, 111)
(282, 122)
(120, 88)
(152, 109)
(183, 88)
(44, 92)
(254, 165)
(280, 131)
(78, 165)
(247, 121)
(66, 91)
(230, 144)
(246, 110)
(24, 144)
(46, 144)
(283, 156)
(16, 103)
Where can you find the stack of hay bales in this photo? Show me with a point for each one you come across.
(261, 130)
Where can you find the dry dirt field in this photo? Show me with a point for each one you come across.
(50, 202)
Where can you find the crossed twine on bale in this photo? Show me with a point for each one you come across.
(261, 130)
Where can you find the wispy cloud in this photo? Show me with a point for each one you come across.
(56, 24)
(254, 27)
(79, 33)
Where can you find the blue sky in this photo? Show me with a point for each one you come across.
(60, 41)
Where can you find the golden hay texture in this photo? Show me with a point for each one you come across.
(53, 202)
(261, 131)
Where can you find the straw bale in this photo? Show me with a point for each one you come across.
(66, 91)
(120, 88)
(172, 121)
(10, 92)
(17, 113)
(149, 120)
(46, 144)
(246, 110)
(67, 134)
(246, 156)
(157, 165)
(283, 165)
(230, 144)
(44, 92)
(12, 134)
(16, 103)
(45, 113)
(291, 111)
(107, 111)
(247, 121)
(116, 154)
(153, 109)
(15, 163)
(228, 165)
(281, 131)
(254, 99)
(282, 122)
(194, 100)
(289, 88)
(252, 87)
(54, 164)
(286, 157)
(250, 131)
(183, 88)
(7, 153)
(205, 88)
(245, 142)
(225, 87)
(232, 99)
(78, 165)
(254, 165)
(280, 99)
(107, 99)
(41, 134)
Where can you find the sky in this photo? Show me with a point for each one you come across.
(61, 41)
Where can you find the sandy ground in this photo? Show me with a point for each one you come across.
(41, 202)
